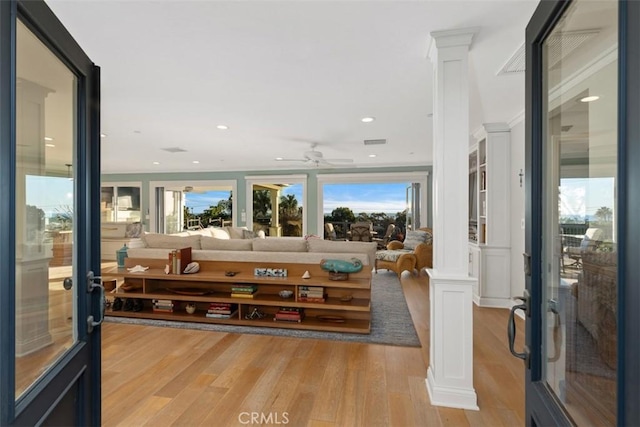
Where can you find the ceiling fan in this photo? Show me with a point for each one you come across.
(315, 158)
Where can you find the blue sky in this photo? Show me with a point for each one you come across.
(582, 197)
(388, 198)
(51, 194)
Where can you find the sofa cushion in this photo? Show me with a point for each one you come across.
(279, 245)
(166, 241)
(415, 237)
(211, 243)
(391, 255)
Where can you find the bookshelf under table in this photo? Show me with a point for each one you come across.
(346, 306)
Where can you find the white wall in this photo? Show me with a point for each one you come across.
(517, 206)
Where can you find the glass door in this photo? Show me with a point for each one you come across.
(577, 205)
(51, 374)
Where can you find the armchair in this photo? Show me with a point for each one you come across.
(588, 243)
(361, 232)
(415, 253)
(382, 242)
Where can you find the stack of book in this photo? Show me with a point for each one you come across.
(311, 293)
(179, 259)
(290, 314)
(163, 305)
(244, 291)
(221, 310)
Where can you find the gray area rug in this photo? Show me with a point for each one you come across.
(391, 322)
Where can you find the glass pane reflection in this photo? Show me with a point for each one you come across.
(45, 135)
(580, 211)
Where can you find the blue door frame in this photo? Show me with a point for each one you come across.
(69, 393)
(541, 406)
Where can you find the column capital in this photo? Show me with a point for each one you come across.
(461, 37)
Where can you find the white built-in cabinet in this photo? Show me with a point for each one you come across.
(489, 216)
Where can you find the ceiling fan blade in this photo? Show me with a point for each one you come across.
(339, 160)
(292, 160)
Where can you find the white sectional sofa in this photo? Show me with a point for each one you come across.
(206, 247)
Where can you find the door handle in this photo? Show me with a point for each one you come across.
(511, 330)
(93, 283)
(557, 331)
(67, 283)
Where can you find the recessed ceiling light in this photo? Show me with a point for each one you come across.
(50, 145)
(279, 158)
(372, 155)
(196, 161)
(368, 119)
(103, 135)
(222, 127)
(156, 163)
(590, 98)
(48, 138)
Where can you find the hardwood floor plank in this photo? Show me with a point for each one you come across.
(351, 407)
(400, 410)
(331, 391)
(376, 404)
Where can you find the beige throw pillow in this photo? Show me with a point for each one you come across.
(219, 233)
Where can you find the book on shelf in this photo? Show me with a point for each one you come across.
(179, 259)
(311, 294)
(221, 315)
(163, 310)
(290, 316)
(244, 288)
(243, 295)
(311, 288)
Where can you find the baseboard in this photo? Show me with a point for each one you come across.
(493, 302)
(451, 397)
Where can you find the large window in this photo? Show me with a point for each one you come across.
(180, 205)
(120, 202)
(376, 198)
(275, 205)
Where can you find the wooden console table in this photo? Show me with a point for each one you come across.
(337, 313)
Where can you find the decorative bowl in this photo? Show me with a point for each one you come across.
(285, 293)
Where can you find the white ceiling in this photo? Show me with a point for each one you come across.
(281, 75)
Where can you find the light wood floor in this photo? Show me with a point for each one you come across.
(159, 376)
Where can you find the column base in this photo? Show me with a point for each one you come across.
(451, 397)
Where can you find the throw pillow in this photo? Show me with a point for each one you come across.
(248, 234)
(236, 232)
(133, 230)
(414, 238)
(219, 233)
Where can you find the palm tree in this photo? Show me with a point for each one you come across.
(261, 203)
(604, 214)
(289, 206)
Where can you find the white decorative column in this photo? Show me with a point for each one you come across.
(450, 374)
